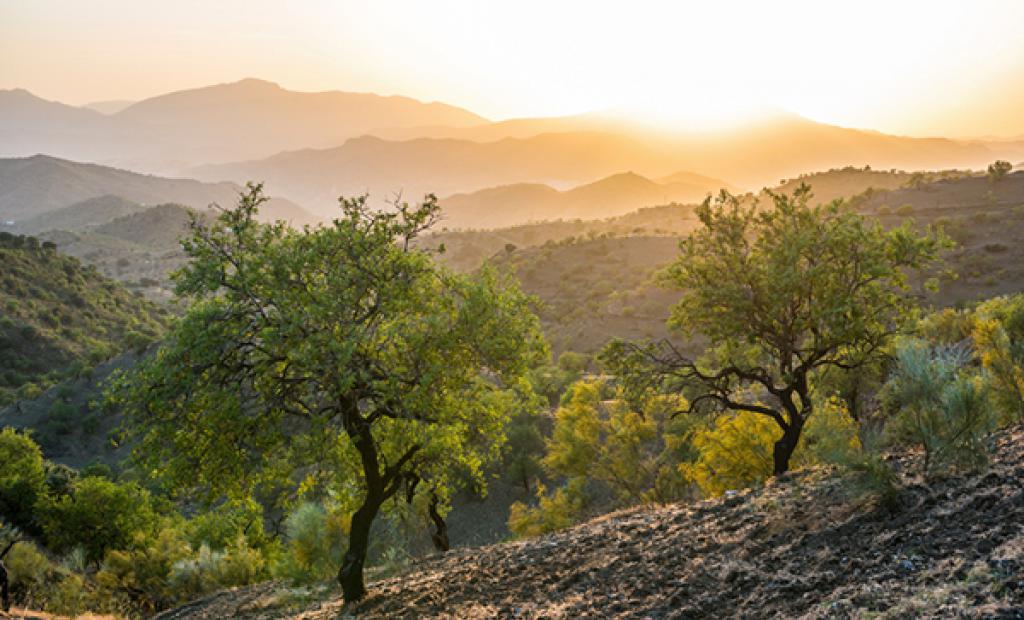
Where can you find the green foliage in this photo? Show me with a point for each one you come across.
(605, 448)
(942, 406)
(209, 570)
(735, 452)
(22, 479)
(221, 527)
(785, 292)
(361, 361)
(314, 543)
(554, 511)
(98, 515)
(998, 337)
(30, 572)
(632, 453)
(57, 313)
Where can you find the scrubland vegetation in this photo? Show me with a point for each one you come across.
(331, 395)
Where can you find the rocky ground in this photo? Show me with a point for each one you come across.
(804, 547)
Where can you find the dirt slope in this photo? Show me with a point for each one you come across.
(801, 548)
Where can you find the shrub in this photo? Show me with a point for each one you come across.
(144, 572)
(209, 570)
(553, 512)
(942, 407)
(98, 515)
(736, 452)
(29, 571)
(314, 543)
(22, 478)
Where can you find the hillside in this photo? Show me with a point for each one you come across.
(224, 122)
(593, 290)
(83, 215)
(802, 547)
(594, 278)
(33, 186)
(511, 205)
(58, 317)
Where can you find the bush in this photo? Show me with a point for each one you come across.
(29, 571)
(22, 479)
(144, 572)
(736, 452)
(237, 565)
(315, 539)
(553, 512)
(99, 515)
(942, 407)
(220, 527)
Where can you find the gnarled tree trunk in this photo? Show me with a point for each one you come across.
(350, 576)
(786, 445)
(440, 534)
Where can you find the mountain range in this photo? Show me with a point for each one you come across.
(241, 120)
(752, 159)
(315, 147)
(35, 188)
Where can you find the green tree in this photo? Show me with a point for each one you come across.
(339, 359)
(782, 293)
(22, 479)
(98, 515)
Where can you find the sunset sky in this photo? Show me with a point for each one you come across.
(917, 68)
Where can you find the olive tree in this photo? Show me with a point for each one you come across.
(780, 293)
(339, 357)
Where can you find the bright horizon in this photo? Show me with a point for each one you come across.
(913, 68)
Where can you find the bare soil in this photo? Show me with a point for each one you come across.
(803, 547)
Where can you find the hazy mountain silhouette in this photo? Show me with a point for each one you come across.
(34, 186)
(756, 157)
(241, 120)
(82, 215)
(510, 205)
(112, 106)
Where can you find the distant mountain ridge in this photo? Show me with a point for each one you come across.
(447, 166)
(618, 194)
(241, 120)
(35, 186)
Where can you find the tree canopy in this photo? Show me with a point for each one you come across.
(336, 360)
(781, 293)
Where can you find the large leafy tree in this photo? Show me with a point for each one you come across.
(337, 359)
(781, 293)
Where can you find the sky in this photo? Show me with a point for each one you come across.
(907, 67)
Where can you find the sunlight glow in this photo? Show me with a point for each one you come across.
(909, 67)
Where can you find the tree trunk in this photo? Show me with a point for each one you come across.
(786, 445)
(440, 534)
(350, 576)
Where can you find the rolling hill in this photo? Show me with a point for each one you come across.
(615, 195)
(82, 215)
(33, 186)
(594, 278)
